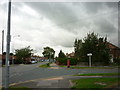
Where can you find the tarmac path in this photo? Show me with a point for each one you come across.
(23, 73)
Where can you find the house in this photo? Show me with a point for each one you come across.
(4, 58)
(114, 52)
(0, 56)
(70, 55)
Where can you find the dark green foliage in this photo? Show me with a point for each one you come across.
(73, 61)
(48, 52)
(77, 47)
(61, 54)
(96, 46)
(23, 53)
(117, 61)
(63, 61)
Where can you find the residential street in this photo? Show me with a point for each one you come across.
(29, 72)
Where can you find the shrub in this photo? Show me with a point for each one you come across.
(73, 61)
(63, 61)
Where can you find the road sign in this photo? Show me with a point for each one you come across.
(89, 54)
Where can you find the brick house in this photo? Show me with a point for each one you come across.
(70, 54)
(114, 52)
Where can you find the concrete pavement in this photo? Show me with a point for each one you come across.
(55, 82)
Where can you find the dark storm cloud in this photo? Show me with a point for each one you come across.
(64, 17)
(105, 26)
(92, 8)
(113, 5)
(57, 12)
(73, 17)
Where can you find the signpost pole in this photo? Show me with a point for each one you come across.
(89, 61)
(89, 55)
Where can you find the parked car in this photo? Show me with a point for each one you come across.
(33, 62)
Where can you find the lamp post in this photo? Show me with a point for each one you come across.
(13, 48)
(89, 54)
(8, 47)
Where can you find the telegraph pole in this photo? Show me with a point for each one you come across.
(118, 24)
(8, 47)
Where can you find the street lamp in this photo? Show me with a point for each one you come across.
(89, 54)
(13, 47)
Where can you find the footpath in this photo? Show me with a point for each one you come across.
(54, 82)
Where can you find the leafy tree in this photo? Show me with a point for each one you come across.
(23, 53)
(61, 54)
(77, 47)
(89, 46)
(48, 52)
(96, 46)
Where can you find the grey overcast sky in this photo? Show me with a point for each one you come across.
(58, 24)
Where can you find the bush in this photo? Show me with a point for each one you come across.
(63, 61)
(73, 61)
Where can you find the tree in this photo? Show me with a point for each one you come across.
(61, 54)
(23, 53)
(48, 52)
(77, 47)
(89, 46)
(95, 45)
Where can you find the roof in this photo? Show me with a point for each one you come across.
(71, 54)
(111, 46)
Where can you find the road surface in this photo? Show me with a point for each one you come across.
(32, 71)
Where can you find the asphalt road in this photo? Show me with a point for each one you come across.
(22, 73)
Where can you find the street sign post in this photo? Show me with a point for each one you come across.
(89, 54)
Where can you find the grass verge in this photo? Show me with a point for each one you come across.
(95, 83)
(98, 74)
(95, 67)
(75, 67)
(45, 65)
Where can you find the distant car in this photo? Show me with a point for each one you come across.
(42, 60)
(33, 62)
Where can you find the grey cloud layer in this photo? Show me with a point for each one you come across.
(68, 21)
(64, 16)
(80, 17)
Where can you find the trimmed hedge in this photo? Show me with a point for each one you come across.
(63, 61)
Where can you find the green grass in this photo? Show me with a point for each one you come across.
(62, 66)
(98, 74)
(75, 67)
(94, 82)
(45, 65)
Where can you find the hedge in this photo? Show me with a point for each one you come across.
(63, 61)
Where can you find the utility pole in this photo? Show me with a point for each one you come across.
(8, 47)
(118, 24)
(2, 41)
